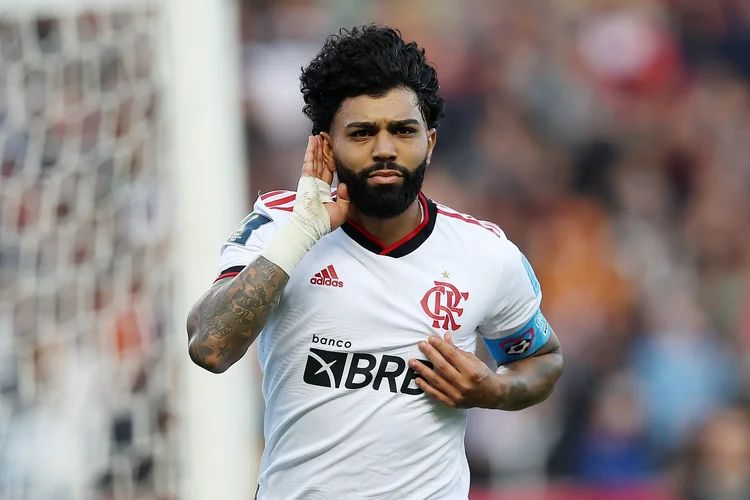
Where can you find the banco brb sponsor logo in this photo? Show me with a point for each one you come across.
(324, 368)
(358, 370)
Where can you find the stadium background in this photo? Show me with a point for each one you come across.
(610, 139)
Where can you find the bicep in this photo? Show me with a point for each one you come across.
(516, 327)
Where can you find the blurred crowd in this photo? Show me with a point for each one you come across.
(610, 139)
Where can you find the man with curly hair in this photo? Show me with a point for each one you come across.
(368, 300)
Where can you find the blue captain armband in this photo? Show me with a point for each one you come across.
(521, 344)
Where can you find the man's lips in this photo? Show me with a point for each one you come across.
(386, 177)
(386, 173)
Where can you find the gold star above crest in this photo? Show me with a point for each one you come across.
(446, 274)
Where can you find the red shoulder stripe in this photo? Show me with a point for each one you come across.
(468, 219)
(281, 201)
(278, 202)
(494, 228)
(271, 194)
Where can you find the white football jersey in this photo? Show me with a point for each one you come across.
(344, 417)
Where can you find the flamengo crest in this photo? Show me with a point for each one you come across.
(441, 305)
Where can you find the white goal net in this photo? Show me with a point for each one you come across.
(85, 382)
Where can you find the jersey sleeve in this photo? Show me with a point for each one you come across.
(254, 232)
(515, 328)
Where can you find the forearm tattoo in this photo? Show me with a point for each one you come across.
(229, 317)
(530, 380)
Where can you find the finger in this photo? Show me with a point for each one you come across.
(436, 380)
(342, 198)
(319, 164)
(308, 162)
(326, 170)
(314, 164)
(452, 355)
(428, 389)
(444, 364)
(440, 364)
(449, 338)
(433, 384)
(328, 154)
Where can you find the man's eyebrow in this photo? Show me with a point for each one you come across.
(392, 124)
(403, 123)
(361, 125)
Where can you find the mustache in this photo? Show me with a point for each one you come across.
(385, 165)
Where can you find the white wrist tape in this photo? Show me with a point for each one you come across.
(309, 222)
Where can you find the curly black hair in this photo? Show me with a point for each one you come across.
(367, 60)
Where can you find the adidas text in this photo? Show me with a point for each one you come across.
(327, 277)
(326, 282)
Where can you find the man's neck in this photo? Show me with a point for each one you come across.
(389, 231)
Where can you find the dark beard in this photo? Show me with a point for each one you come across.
(382, 201)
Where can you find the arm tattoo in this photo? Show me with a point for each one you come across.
(230, 316)
(531, 380)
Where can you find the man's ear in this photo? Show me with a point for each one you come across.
(328, 151)
(431, 141)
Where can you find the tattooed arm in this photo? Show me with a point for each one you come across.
(229, 317)
(530, 381)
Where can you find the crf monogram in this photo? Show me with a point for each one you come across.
(441, 305)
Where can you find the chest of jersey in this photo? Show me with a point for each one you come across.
(350, 296)
(350, 318)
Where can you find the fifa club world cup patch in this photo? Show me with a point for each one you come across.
(246, 228)
(525, 342)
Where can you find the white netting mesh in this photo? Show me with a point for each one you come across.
(84, 266)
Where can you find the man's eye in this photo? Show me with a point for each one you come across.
(405, 131)
(361, 133)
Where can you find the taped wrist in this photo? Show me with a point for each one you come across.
(309, 222)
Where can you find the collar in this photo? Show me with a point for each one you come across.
(405, 245)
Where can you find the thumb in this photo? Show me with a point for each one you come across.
(342, 198)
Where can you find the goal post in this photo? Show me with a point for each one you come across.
(218, 409)
(121, 173)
